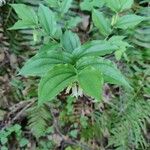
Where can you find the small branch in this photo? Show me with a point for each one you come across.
(25, 105)
(22, 111)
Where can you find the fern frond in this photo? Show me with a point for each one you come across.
(128, 133)
(39, 119)
(142, 33)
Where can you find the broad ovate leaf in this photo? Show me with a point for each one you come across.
(65, 5)
(101, 22)
(91, 81)
(58, 78)
(47, 20)
(41, 63)
(51, 46)
(90, 4)
(119, 5)
(58, 33)
(110, 72)
(53, 3)
(27, 16)
(128, 21)
(25, 12)
(94, 48)
(21, 24)
(70, 41)
(73, 22)
(126, 4)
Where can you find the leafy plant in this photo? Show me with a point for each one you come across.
(65, 61)
(6, 134)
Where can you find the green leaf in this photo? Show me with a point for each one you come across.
(110, 72)
(126, 4)
(70, 41)
(17, 128)
(20, 24)
(73, 22)
(58, 33)
(90, 4)
(122, 45)
(84, 121)
(128, 21)
(98, 3)
(94, 48)
(50, 46)
(101, 22)
(91, 81)
(69, 148)
(55, 81)
(23, 142)
(47, 20)
(26, 14)
(86, 5)
(118, 41)
(52, 3)
(3, 140)
(65, 5)
(119, 5)
(118, 54)
(73, 133)
(41, 63)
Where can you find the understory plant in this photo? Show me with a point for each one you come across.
(64, 63)
(8, 133)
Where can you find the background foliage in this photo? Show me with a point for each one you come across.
(119, 122)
